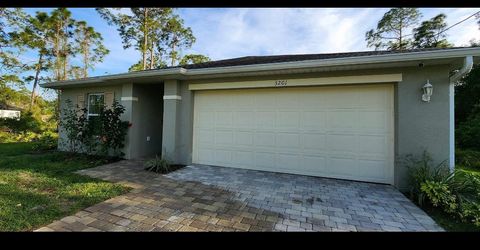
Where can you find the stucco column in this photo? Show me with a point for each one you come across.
(171, 106)
(127, 99)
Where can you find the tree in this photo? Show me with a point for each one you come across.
(194, 58)
(10, 65)
(141, 29)
(89, 45)
(35, 36)
(158, 64)
(157, 33)
(178, 37)
(62, 24)
(391, 29)
(430, 33)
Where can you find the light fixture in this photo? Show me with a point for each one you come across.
(427, 91)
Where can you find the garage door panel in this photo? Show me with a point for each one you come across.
(340, 119)
(243, 158)
(207, 119)
(243, 119)
(206, 137)
(320, 131)
(313, 141)
(206, 155)
(264, 119)
(287, 140)
(315, 164)
(342, 166)
(313, 120)
(223, 156)
(224, 119)
(265, 139)
(371, 169)
(287, 119)
(224, 138)
(288, 161)
(342, 143)
(244, 138)
(372, 144)
(265, 160)
(373, 121)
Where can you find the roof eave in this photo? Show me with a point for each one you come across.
(191, 73)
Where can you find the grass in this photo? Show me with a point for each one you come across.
(449, 223)
(38, 188)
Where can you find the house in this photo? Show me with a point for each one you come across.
(341, 115)
(9, 112)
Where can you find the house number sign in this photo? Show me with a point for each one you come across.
(280, 83)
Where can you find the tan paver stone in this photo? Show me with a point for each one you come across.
(209, 198)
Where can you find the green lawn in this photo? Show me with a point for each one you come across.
(37, 188)
(449, 223)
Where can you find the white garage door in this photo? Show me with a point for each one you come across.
(341, 132)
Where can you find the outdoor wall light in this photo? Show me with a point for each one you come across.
(427, 91)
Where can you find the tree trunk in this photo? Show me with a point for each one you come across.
(145, 38)
(401, 27)
(65, 53)
(57, 53)
(85, 56)
(152, 56)
(173, 51)
(35, 82)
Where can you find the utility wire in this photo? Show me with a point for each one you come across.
(451, 25)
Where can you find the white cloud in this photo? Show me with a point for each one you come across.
(227, 33)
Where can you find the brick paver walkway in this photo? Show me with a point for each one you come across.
(205, 198)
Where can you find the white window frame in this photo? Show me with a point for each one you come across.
(88, 103)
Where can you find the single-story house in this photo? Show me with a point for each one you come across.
(9, 112)
(340, 115)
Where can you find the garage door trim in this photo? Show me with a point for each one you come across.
(357, 79)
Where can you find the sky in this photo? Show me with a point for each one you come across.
(235, 32)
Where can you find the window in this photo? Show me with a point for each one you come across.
(95, 104)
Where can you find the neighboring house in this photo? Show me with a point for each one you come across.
(341, 115)
(10, 112)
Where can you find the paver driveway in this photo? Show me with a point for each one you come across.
(205, 198)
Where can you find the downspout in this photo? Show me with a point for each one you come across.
(467, 66)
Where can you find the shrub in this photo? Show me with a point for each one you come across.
(420, 171)
(27, 122)
(468, 132)
(157, 165)
(467, 158)
(100, 135)
(46, 141)
(456, 193)
(439, 195)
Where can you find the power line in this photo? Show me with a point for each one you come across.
(451, 25)
(458, 22)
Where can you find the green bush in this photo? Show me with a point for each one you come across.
(467, 158)
(157, 165)
(27, 122)
(456, 193)
(468, 132)
(46, 141)
(420, 171)
(100, 135)
(439, 195)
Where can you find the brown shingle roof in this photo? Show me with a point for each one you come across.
(250, 60)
